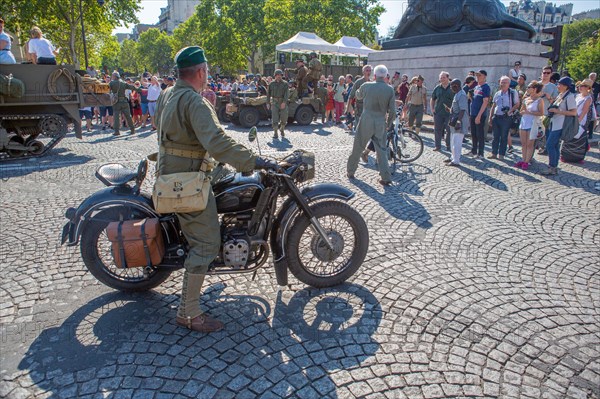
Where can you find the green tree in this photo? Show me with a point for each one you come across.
(105, 55)
(154, 51)
(128, 57)
(60, 20)
(574, 35)
(584, 59)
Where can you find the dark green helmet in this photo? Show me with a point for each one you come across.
(313, 54)
(278, 72)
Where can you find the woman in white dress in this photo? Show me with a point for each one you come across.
(532, 111)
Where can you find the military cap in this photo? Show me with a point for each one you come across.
(299, 60)
(278, 72)
(189, 56)
(313, 54)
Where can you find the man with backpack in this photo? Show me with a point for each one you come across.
(121, 102)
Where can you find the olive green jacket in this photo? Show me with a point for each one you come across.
(119, 87)
(278, 91)
(357, 84)
(187, 121)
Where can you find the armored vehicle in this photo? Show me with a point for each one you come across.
(30, 125)
(248, 109)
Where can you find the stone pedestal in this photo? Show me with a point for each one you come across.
(496, 57)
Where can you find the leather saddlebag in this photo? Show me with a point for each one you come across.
(136, 243)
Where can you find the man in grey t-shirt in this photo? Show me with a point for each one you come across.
(549, 94)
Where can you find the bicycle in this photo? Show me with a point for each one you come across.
(404, 145)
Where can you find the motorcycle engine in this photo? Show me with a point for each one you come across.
(235, 253)
(236, 248)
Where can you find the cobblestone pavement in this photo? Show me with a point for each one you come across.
(481, 281)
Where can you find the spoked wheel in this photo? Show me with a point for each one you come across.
(309, 257)
(97, 255)
(393, 152)
(410, 146)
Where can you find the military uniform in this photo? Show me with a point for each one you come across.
(188, 128)
(314, 73)
(321, 93)
(278, 94)
(358, 107)
(118, 87)
(379, 112)
(301, 73)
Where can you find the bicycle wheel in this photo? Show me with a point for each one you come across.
(393, 152)
(410, 146)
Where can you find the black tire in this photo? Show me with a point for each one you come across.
(304, 115)
(295, 245)
(235, 119)
(223, 117)
(249, 116)
(412, 148)
(129, 280)
(393, 152)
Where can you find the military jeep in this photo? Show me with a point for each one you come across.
(248, 109)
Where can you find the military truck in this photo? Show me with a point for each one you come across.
(32, 124)
(223, 98)
(248, 109)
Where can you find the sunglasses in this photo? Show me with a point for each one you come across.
(546, 73)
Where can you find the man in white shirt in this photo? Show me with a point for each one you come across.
(153, 93)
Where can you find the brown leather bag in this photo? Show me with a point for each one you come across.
(136, 243)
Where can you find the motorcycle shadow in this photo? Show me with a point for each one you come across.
(296, 345)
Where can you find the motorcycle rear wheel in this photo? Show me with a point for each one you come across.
(97, 257)
(309, 259)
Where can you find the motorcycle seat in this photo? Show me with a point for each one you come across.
(115, 174)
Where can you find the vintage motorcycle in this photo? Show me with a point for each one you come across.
(312, 231)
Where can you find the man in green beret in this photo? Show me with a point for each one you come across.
(118, 86)
(277, 100)
(188, 128)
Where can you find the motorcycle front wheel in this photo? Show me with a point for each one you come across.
(97, 256)
(312, 261)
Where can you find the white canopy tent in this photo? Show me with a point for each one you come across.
(349, 45)
(307, 42)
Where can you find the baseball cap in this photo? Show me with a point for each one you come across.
(481, 72)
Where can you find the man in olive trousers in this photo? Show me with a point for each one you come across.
(277, 99)
(379, 111)
(188, 127)
(118, 87)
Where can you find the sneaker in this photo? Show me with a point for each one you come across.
(492, 156)
(543, 152)
(524, 166)
(436, 149)
(447, 160)
(501, 157)
(519, 164)
(116, 134)
(452, 164)
(510, 149)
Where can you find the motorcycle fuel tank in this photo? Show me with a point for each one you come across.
(238, 193)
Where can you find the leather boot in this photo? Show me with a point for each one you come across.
(282, 133)
(189, 314)
(275, 135)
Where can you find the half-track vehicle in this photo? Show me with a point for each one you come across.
(32, 124)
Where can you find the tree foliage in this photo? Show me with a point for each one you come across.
(153, 51)
(585, 59)
(128, 57)
(574, 35)
(237, 33)
(60, 20)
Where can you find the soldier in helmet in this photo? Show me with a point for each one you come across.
(314, 71)
(277, 100)
(301, 71)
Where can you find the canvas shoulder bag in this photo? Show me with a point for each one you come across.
(182, 192)
(114, 97)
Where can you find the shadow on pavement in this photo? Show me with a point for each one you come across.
(56, 159)
(295, 346)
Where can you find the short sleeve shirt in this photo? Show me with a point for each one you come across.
(503, 100)
(442, 97)
(416, 94)
(551, 89)
(41, 47)
(479, 94)
(4, 36)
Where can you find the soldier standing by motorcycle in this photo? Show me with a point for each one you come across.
(314, 72)
(188, 128)
(118, 87)
(277, 100)
(379, 112)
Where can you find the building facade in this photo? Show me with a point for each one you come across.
(541, 14)
(176, 12)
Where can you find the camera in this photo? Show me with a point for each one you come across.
(505, 110)
(551, 114)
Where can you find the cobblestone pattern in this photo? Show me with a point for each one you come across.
(481, 281)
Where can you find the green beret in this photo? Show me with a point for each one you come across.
(189, 56)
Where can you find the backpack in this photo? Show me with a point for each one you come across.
(114, 97)
(570, 125)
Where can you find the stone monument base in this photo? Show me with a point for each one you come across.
(496, 57)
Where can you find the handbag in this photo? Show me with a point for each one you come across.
(570, 125)
(453, 120)
(182, 192)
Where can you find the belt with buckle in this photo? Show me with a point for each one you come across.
(192, 154)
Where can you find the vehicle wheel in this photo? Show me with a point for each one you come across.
(97, 256)
(235, 119)
(304, 115)
(311, 261)
(223, 117)
(410, 146)
(249, 117)
(16, 141)
(393, 153)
